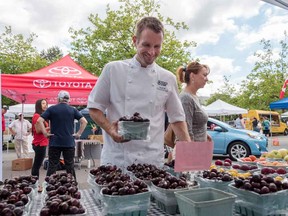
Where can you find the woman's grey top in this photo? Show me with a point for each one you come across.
(196, 117)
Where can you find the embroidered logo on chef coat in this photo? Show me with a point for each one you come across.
(162, 86)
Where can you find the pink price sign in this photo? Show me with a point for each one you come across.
(193, 156)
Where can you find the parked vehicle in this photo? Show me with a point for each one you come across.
(277, 126)
(237, 143)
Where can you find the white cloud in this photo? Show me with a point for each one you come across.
(219, 67)
(208, 21)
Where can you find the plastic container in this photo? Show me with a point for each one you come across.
(134, 130)
(261, 203)
(249, 209)
(166, 199)
(136, 204)
(205, 201)
(220, 185)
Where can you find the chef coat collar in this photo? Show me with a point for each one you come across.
(136, 63)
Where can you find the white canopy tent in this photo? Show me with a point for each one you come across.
(221, 108)
(27, 109)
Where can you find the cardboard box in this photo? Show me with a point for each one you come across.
(22, 164)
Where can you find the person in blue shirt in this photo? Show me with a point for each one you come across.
(266, 126)
(61, 135)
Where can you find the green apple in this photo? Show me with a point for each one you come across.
(272, 154)
(283, 152)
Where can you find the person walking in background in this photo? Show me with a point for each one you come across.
(266, 126)
(4, 110)
(62, 136)
(39, 142)
(21, 129)
(239, 122)
(255, 126)
(195, 75)
(137, 85)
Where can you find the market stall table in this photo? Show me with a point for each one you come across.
(92, 205)
(88, 150)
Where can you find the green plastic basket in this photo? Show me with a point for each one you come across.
(205, 201)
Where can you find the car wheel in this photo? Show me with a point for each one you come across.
(238, 150)
(285, 132)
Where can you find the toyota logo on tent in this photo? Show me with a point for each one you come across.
(65, 70)
(42, 83)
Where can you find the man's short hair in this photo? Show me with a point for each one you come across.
(149, 22)
(5, 107)
(63, 96)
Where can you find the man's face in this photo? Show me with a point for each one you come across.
(148, 46)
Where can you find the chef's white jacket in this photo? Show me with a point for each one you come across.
(123, 88)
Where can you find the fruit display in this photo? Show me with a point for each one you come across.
(123, 194)
(13, 200)
(15, 195)
(273, 164)
(251, 159)
(218, 179)
(134, 128)
(270, 170)
(135, 118)
(61, 195)
(125, 187)
(260, 195)
(280, 154)
(260, 184)
(62, 205)
(244, 167)
(226, 163)
(170, 182)
(163, 191)
(104, 169)
(146, 172)
(107, 173)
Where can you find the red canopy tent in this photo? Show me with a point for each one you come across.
(64, 74)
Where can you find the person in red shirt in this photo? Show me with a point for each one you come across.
(39, 142)
(4, 110)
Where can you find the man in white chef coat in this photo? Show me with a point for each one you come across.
(137, 85)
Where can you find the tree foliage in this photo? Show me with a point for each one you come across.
(262, 86)
(110, 39)
(17, 54)
(264, 83)
(51, 54)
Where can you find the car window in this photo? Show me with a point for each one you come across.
(214, 124)
(211, 125)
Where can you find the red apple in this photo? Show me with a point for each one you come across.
(228, 161)
(281, 171)
(218, 163)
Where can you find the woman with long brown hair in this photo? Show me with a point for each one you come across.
(40, 142)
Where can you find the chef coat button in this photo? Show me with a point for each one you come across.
(153, 84)
(129, 81)
(128, 98)
(150, 101)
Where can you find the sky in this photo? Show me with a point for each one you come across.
(227, 32)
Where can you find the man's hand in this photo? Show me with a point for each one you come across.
(76, 135)
(113, 132)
